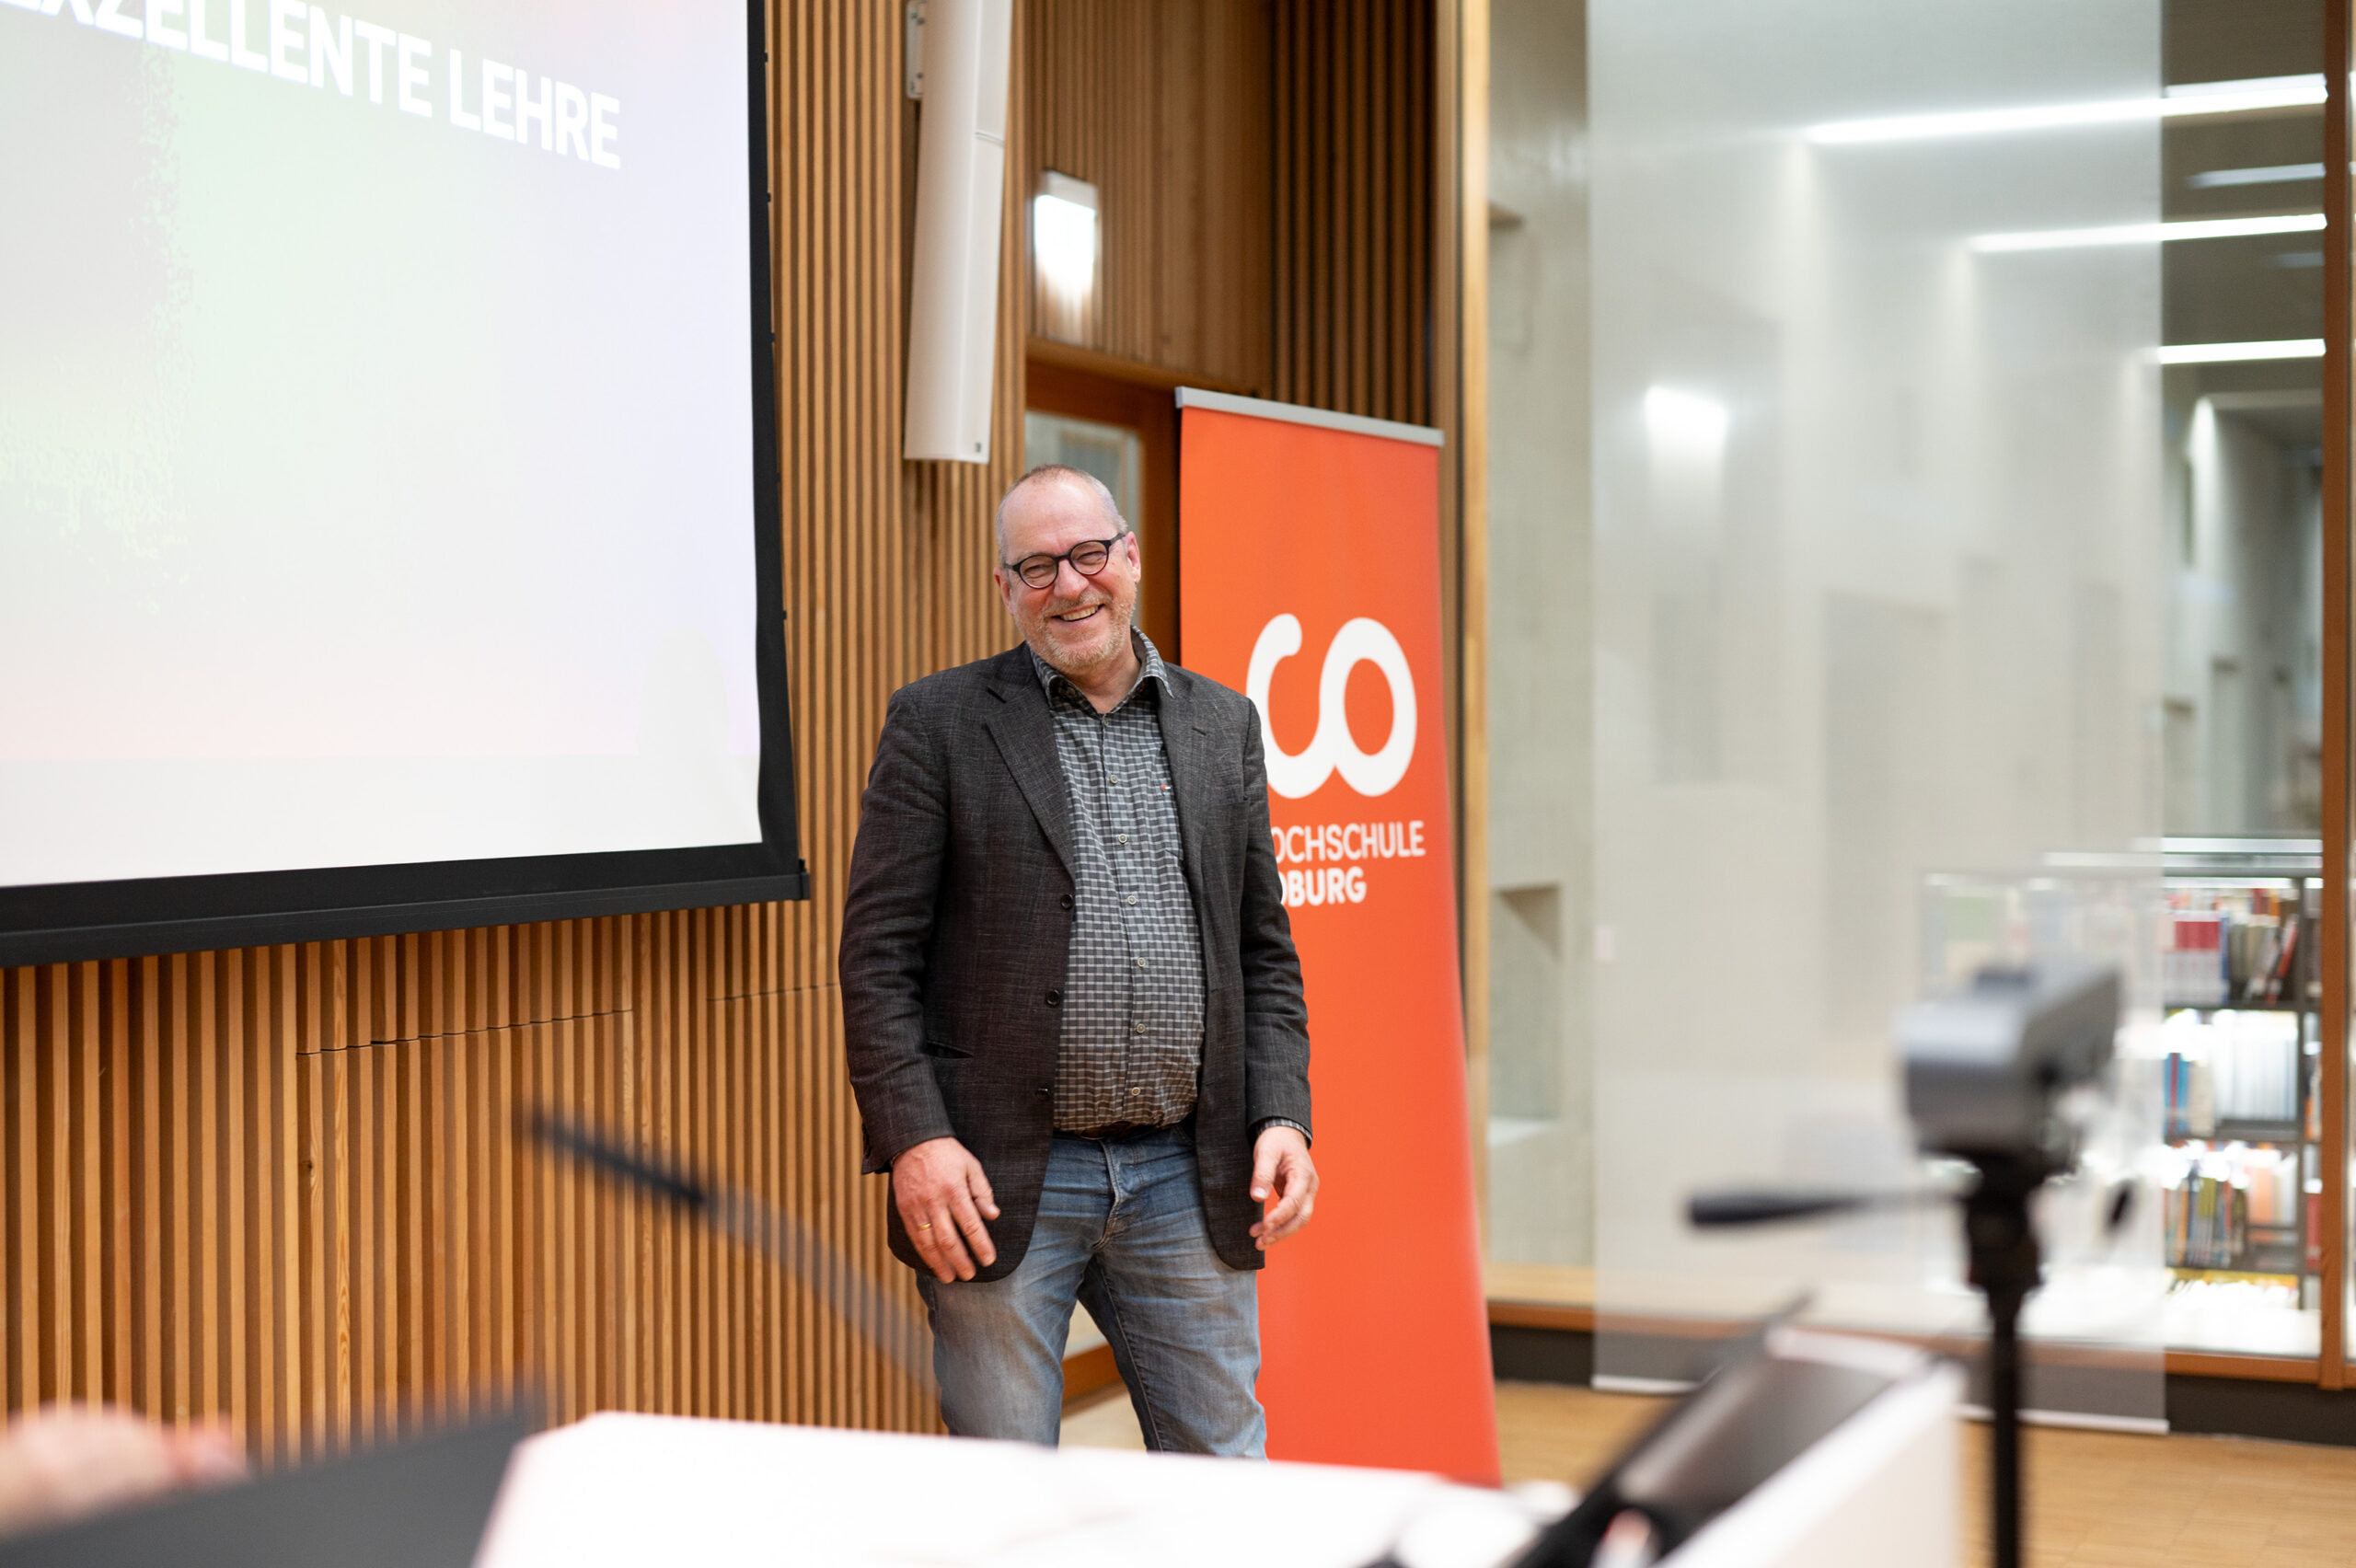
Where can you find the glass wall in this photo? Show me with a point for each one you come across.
(1540, 1153)
(2241, 721)
(1905, 552)
(1904, 556)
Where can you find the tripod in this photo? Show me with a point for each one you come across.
(2001, 1242)
(2004, 1266)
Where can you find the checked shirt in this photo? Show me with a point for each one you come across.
(1132, 1034)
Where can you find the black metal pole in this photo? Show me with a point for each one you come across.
(2004, 1266)
(2005, 1432)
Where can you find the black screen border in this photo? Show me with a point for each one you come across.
(72, 922)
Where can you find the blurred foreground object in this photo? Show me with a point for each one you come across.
(1994, 1072)
(413, 1504)
(876, 1314)
(1815, 1449)
(1990, 1066)
(618, 1489)
(63, 1462)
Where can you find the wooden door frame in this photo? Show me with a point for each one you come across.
(1460, 289)
(2334, 1003)
(1085, 386)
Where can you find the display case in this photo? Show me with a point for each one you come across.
(2217, 938)
(2239, 1053)
(2242, 1107)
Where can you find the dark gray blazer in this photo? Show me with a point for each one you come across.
(958, 924)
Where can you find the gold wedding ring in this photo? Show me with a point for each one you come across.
(927, 1226)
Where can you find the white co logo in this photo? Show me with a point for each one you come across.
(1361, 640)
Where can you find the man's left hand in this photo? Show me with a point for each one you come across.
(1281, 1169)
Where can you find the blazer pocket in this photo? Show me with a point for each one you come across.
(942, 1049)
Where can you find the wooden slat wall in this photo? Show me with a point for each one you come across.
(1354, 205)
(1367, 264)
(1164, 106)
(1266, 171)
(280, 1185)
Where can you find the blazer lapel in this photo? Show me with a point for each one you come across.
(1024, 732)
(1185, 743)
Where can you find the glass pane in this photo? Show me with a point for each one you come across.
(1827, 629)
(1540, 714)
(2242, 702)
(1113, 453)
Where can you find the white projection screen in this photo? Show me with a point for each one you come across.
(388, 511)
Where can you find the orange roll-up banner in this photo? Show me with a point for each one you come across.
(1309, 578)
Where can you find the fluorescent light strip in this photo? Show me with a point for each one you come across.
(2274, 174)
(2232, 353)
(2149, 234)
(2195, 98)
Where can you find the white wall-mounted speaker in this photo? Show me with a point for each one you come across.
(961, 196)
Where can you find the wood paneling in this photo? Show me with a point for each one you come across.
(1369, 317)
(1266, 173)
(1164, 106)
(1352, 206)
(1461, 288)
(2251, 1368)
(284, 1186)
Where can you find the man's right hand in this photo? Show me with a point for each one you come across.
(944, 1198)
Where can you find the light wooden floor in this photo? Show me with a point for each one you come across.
(2096, 1498)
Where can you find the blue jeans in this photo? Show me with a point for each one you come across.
(1121, 1230)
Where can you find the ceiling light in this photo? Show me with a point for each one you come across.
(2192, 98)
(2273, 174)
(1063, 243)
(2242, 93)
(1685, 424)
(2230, 354)
(2149, 234)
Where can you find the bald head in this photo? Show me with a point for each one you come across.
(1060, 477)
(1078, 620)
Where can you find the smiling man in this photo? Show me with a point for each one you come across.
(1072, 1005)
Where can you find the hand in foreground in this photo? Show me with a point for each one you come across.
(944, 1198)
(1281, 1168)
(63, 1462)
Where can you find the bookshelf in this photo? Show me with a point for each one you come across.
(2242, 1110)
(2219, 950)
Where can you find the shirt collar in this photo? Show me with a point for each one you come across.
(1150, 668)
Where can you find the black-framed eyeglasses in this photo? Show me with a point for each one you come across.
(1086, 557)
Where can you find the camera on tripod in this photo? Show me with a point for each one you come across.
(1990, 1066)
(1991, 1072)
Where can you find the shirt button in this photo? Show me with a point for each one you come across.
(1140, 963)
(1136, 1029)
(1120, 838)
(1131, 899)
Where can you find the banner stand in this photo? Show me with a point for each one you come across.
(1308, 578)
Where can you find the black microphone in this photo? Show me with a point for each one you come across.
(1768, 1205)
(842, 1284)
